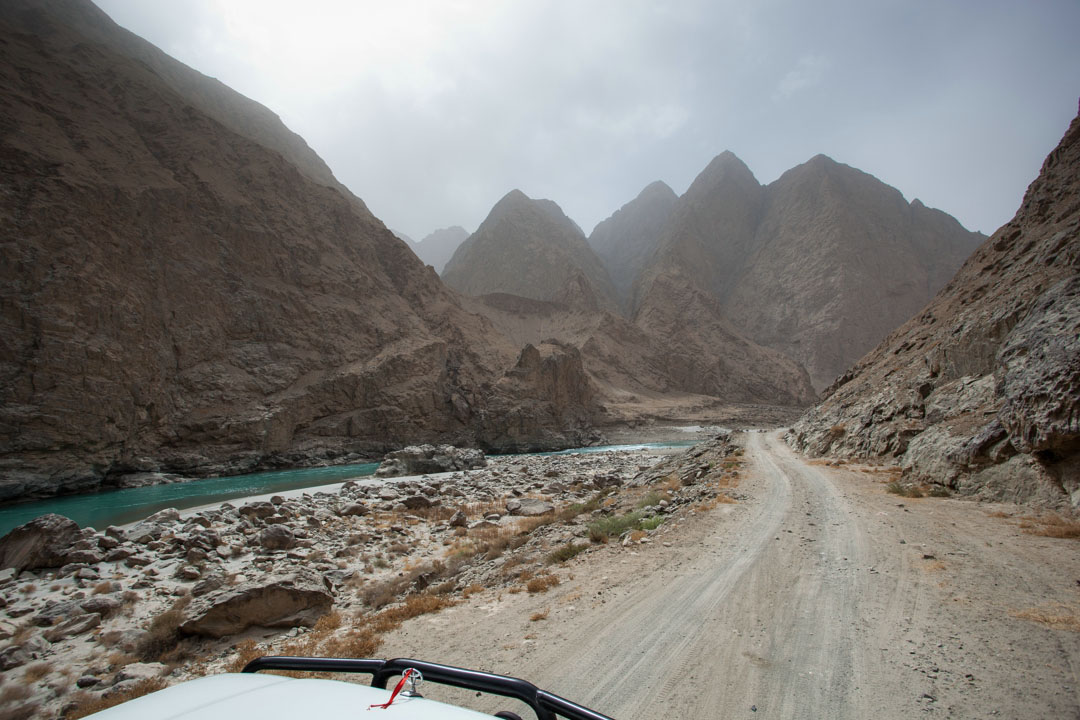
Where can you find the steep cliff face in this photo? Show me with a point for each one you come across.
(626, 240)
(530, 248)
(981, 391)
(705, 354)
(840, 260)
(186, 287)
(820, 264)
(710, 234)
(561, 402)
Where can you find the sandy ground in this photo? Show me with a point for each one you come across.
(819, 595)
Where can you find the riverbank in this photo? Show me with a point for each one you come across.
(145, 602)
(157, 492)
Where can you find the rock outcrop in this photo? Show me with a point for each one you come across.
(530, 248)
(423, 459)
(186, 288)
(44, 542)
(298, 598)
(981, 391)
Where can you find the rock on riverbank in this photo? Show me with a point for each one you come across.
(182, 589)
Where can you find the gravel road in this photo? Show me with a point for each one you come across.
(817, 596)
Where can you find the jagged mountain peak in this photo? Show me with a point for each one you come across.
(724, 169)
(530, 248)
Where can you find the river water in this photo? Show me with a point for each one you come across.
(119, 507)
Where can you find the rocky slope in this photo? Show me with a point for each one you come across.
(819, 265)
(187, 288)
(530, 248)
(683, 357)
(437, 248)
(86, 615)
(626, 240)
(981, 391)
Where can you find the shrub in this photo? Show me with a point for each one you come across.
(91, 705)
(1055, 526)
(164, 632)
(565, 552)
(35, 672)
(652, 523)
(904, 490)
(604, 528)
(652, 497)
(246, 651)
(543, 583)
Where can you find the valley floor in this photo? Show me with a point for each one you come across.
(818, 595)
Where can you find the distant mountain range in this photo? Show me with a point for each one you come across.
(437, 247)
(819, 265)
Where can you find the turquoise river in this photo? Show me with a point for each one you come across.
(128, 505)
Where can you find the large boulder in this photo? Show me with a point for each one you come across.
(423, 459)
(41, 543)
(277, 601)
(76, 625)
(528, 507)
(277, 537)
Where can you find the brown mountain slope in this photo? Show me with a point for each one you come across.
(981, 391)
(682, 349)
(840, 260)
(625, 241)
(179, 295)
(530, 248)
(710, 233)
(819, 265)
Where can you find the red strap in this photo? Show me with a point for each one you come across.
(397, 689)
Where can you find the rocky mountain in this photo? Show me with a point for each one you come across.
(438, 247)
(626, 240)
(530, 248)
(819, 265)
(981, 391)
(186, 288)
(840, 260)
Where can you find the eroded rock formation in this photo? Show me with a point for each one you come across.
(981, 391)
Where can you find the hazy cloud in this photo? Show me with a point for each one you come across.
(431, 110)
(806, 74)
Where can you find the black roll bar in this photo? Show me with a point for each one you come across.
(546, 705)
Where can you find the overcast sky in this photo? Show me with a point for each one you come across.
(432, 110)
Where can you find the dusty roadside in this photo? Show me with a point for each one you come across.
(818, 595)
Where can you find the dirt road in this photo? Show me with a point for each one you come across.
(817, 596)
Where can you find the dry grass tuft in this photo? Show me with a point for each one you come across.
(1053, 525)
(163, 635)
(1054, 615)
(543, 583)
(246, 651)
(414, 606)
(88, 705)
(35, 672)
(471, 590)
